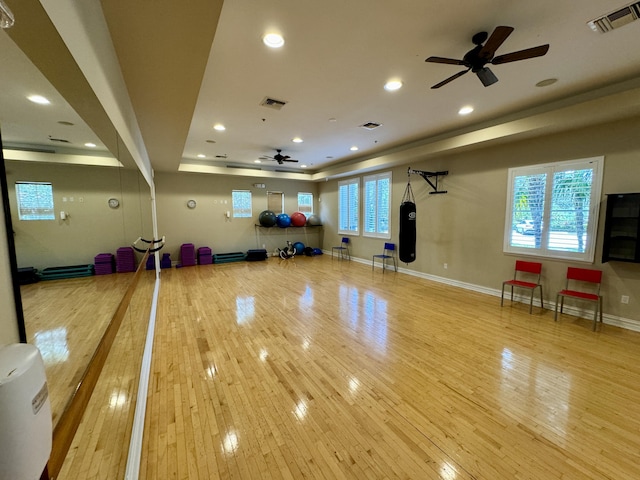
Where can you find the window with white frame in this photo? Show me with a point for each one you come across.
(35, 201)
(348, 206)
(377, 205)
(552, 209)
(305, 203)
(241, 202)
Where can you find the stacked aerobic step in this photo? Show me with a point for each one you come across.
(256, 255)
(187, 255)
(125, 260)
(204, 256)
(228, 257)
(71, 271)
(105, 263)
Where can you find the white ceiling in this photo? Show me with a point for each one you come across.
(331, 71)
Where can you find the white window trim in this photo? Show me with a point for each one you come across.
(353, 181)
(308, 214)
(594, 208)
(235, 212)
(376, 178)
(38, 209)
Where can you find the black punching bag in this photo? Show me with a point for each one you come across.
(407, 248)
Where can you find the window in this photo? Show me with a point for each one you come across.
(35, 201)
(552, 209)
(275, 202)
(305, 203)
(348, 206)
(377, 205)
(241, 201)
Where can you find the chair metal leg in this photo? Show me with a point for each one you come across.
(502, 296)
(541, 302)
(555, 317)
(531, 302)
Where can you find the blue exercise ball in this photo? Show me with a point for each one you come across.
(299, 246)
(267, 218)
(283, 220)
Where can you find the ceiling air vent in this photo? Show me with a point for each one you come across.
(616, 19)
(272, 103)
(370, 125)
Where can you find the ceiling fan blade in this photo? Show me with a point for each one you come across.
(521, 55)
(448, 61)
(289, 160)
(450, 79)
(497, 38)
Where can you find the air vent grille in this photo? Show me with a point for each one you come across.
(272, 103)
(370, 125)
(616, 19)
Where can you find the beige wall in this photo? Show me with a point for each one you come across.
(91, 227)
(206, 225)
(465, 227)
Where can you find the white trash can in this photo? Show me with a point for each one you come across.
(25, 413)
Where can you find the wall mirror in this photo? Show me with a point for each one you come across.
(65, 316)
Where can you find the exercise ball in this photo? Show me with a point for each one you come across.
(283, 220)
(267, 218)
(298, 219)
(314, 220)
(299, 246)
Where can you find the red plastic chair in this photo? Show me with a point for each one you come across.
(578, 281)
(530, 271)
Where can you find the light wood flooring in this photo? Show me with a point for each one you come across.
(320, 368)
(65, 319)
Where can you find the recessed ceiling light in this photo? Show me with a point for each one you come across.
(39, 99)
(303, 166)
(354, 148)
(200, 155)
(297, 140)
(392, 85)
(547, 82)
(273, 40)
(219, 127)
(465, 110)
(257, 161)
(90, 145)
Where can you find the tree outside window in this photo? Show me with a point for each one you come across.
(552, 209)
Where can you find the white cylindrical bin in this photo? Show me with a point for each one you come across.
(25, 413)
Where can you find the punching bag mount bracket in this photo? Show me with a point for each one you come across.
(428, 176)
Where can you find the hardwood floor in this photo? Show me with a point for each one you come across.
(320, 368)
(65, 319)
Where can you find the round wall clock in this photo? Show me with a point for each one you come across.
(114, 202)
(191, 204)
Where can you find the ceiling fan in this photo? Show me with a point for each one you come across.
(278, 157)
(476, 58)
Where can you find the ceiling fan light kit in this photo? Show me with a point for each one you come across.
(476, 59)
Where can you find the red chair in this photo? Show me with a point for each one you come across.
(579, 280)
(526, 275)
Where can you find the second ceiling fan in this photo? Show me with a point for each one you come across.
(278, 157)
(477, 58)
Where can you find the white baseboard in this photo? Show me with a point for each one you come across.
(614, 320)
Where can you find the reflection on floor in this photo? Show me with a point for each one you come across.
(65, 319)
(309, 368)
